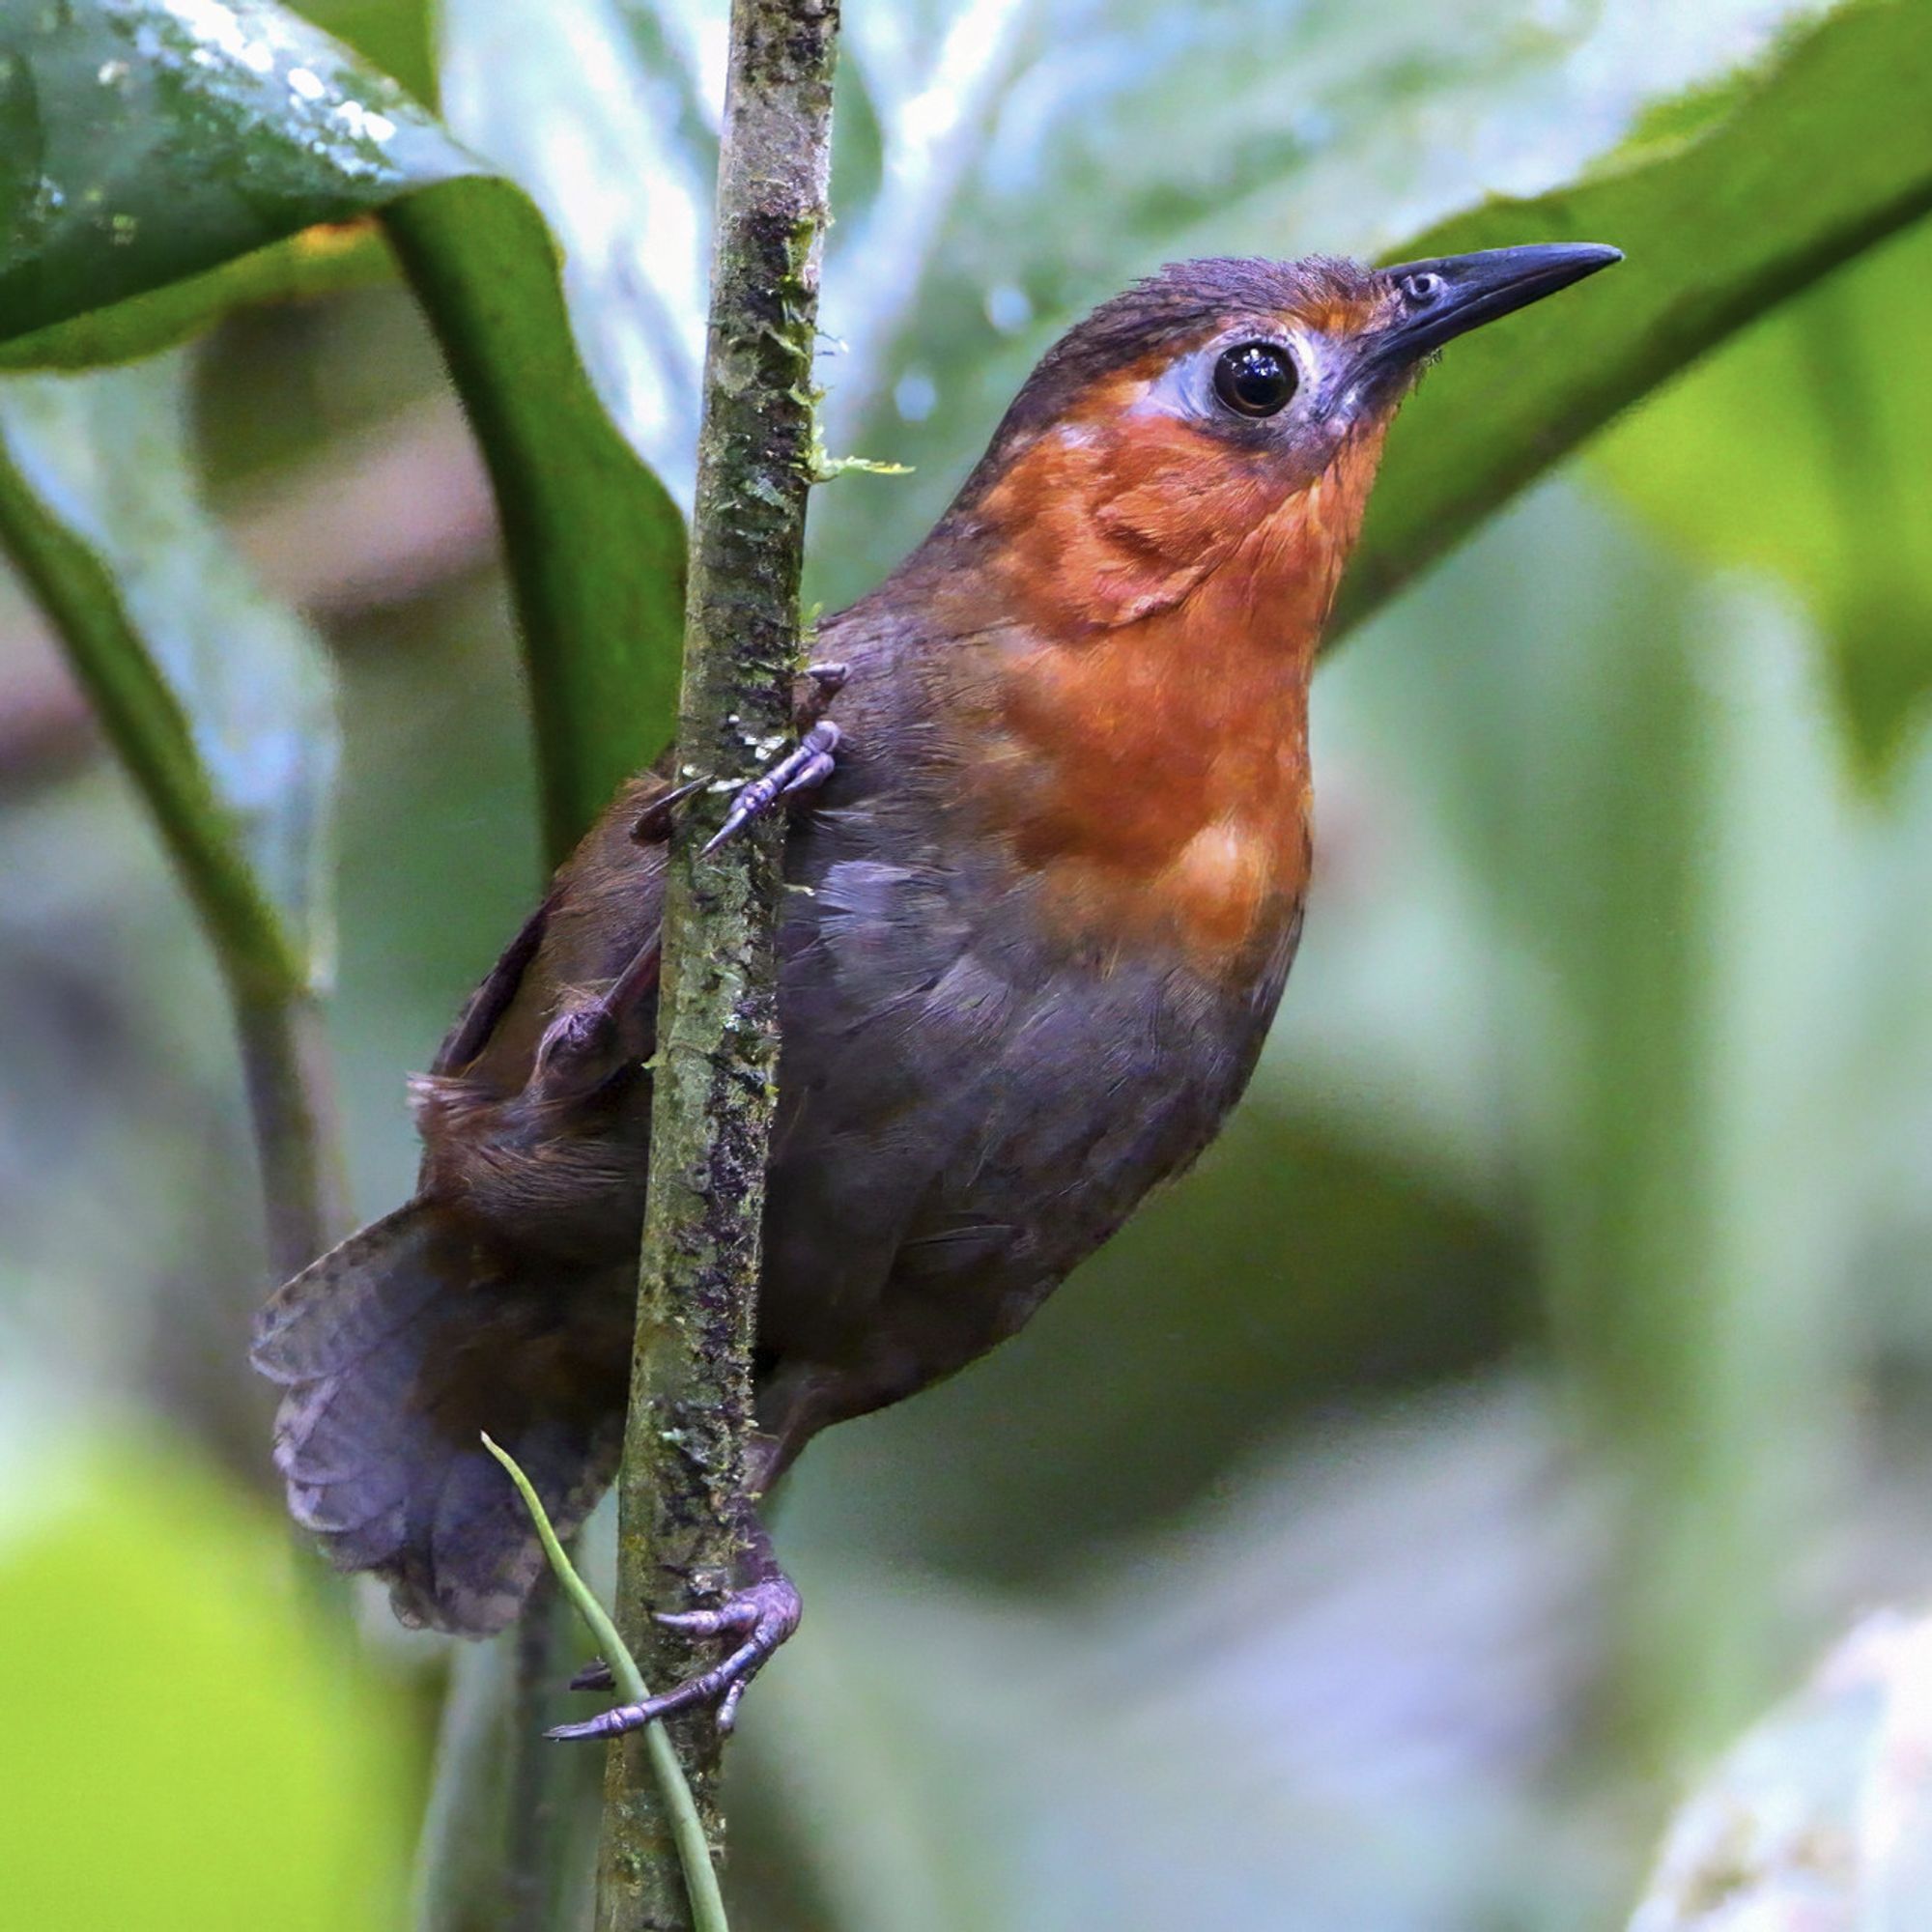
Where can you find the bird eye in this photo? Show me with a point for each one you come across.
(1422, 289)
(1256, 378)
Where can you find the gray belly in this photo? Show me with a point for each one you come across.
(967, 1110)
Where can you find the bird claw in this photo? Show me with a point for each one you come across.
(765, 1615)
(595, 1675)
(654, 822)
(804, 768)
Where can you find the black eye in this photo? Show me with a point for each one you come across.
(1256, 379)
(1422, 289)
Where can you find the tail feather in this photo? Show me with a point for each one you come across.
(396, 1351)
(342, 1308)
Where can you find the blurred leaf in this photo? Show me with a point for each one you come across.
(151, 141)
(195, 1752)
(1021, 183)
(1330, 1698)
(1821, 1819)
(217, 699)
(1826, 153)
(608, 122)
(315, 262)
(147, 140)
(595, 544)
(1638, 779)
(1799, 451)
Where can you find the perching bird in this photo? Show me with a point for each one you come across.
(1055, 879)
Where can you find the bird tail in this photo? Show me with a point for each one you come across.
(396, 1352)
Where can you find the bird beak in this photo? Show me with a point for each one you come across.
(1453, 294)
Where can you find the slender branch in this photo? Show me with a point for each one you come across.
(284, 1066)
(716, 1066)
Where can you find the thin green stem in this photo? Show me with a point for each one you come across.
(275, 1017)
(708, 1902)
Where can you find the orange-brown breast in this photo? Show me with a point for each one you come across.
(1145, 751)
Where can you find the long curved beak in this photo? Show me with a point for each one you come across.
(1453, 294)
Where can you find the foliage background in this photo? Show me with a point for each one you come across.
(1386, 1528)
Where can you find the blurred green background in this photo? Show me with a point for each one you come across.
(1383, 1530)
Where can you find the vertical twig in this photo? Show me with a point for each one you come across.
(717, 1063)
(285, 1068)
(73, 578)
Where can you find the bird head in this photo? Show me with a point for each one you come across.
(1223, 406)
(1139, 570)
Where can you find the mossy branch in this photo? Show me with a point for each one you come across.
(683, 1471)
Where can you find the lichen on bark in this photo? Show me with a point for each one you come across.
(716, 1074)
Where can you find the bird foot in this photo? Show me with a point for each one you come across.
(764, 1614)
(804, 768)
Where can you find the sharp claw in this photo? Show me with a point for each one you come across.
(736, 819)
(690, 1622)
(736, 1613)
(767, 1613)
(653, 823)
(594, 1676)
(806, 765)
(606, 1725)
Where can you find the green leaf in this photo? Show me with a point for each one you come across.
(1824, 154)
(214, 1756)
(1020, 183)
(595, 544)
(217, 699)
(315, 262)
(143, 141)
(1799, 451)
(393, 35)
(152, 145)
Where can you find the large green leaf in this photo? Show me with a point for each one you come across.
(152, 149)
(1791, 174)
(313, 263)
(1040, 152)
(597, 118)
(595, 544)
(142, 141)
(1800, 451)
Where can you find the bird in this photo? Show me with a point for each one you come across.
(1049, 813)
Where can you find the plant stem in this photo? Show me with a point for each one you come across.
(687, 1828)
(716, 1063)
(275, 1015)
(285, 1067)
